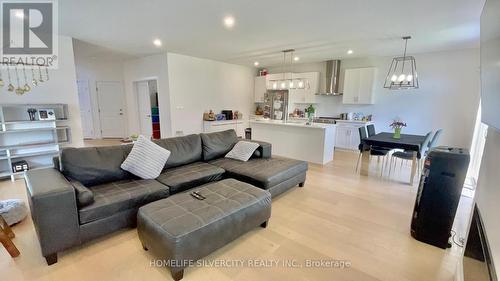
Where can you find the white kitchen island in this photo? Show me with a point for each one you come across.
(313, 143)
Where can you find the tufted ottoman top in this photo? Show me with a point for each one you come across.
(181, 214)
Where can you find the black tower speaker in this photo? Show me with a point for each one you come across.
(438, 195)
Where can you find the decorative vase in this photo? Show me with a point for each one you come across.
(397, 133)
(310, 117)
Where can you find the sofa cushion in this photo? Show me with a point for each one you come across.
(217, 144)
(262, 172)
(185, 177)
(184, 150)
(95, 165)
(146, 160)
(121, 195)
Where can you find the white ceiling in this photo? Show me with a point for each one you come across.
(317, 29)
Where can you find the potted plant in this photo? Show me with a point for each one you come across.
(397, 125)
(310, 110)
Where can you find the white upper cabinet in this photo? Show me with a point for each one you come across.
(358, 85)
(259, 88)
(313, 88)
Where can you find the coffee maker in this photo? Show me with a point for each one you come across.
(228, 114)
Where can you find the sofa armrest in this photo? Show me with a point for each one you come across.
(264, 149)
(53, 210)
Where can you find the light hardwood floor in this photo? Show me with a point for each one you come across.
(336, 215)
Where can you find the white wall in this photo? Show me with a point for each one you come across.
(151, 67)
(448, 96)
(93, 70)
(488, 193)
(197, 85)
(61, 88)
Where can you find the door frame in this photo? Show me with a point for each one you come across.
(125, 115)
(91, 104)
(136, 98)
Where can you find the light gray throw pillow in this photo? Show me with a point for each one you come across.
(146, 159)
(242, 150)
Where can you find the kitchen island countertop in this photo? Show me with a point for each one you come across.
(313, 143)
(293, 124)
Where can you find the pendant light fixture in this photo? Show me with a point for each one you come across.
(288, 82)
(403, 72)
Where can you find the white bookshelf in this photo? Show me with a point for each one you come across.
(35, 142)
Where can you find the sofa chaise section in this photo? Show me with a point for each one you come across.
(276, 174)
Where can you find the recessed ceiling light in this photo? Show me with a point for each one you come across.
(20, 14)
(296, 58)
(349, 52)
(229, 21)
(157, 42)
(256, 63)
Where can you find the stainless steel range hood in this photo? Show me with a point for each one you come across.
(332, 72)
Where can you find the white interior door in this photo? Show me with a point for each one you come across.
(144, 108)
(85, 108)
(111, 101)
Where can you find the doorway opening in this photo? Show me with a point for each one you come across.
(148, 108)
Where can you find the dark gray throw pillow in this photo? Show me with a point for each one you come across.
(84, 196)
(216, 145)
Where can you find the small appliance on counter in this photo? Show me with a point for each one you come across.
(228, 114)
(326, 120)
(346, 116)
(297, 113)
(358, 116)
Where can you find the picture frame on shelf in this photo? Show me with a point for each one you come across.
(46, 114)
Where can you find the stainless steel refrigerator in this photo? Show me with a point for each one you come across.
(276, 104)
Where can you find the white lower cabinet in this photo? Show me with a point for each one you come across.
(218, 126)
(347, 136)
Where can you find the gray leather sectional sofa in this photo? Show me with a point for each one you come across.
(88, 195)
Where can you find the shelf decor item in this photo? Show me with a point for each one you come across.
(10, 87)
(399, 77)
(20, 166)
(2, 83)
(46, 114)
(31, 113)
(397, 125)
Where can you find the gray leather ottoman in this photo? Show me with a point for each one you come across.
(181, 229)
